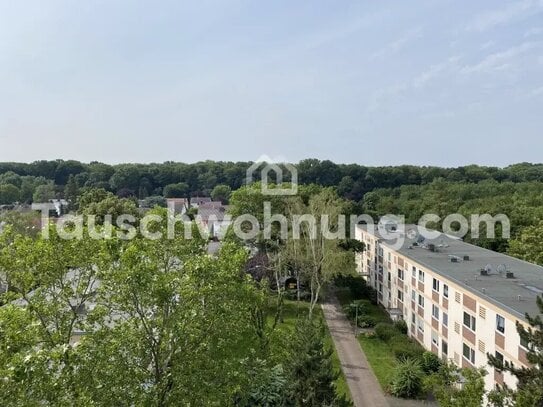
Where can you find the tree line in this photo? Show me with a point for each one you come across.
(26, 182)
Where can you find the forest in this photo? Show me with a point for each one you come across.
(21, 181)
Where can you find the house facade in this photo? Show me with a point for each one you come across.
(459, 301)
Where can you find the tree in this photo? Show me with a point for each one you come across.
(51, 281)
(156, 322)
(155, 200)
(528, 245)
(179, 190)
(529, 392)
(71, 191)
(44, 193)
(314, 253)
(99, 203)
(454, 387)
(221, 193)
(311, 367)
(9, 194)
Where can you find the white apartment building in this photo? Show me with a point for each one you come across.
(460, 301)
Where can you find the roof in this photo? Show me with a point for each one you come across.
(206, 212)
(198, 200)
(516, 295)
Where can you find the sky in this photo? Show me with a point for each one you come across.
(375, 83)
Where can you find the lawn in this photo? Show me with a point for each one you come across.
(380, 357)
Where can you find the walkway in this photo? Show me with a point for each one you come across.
(364, 387)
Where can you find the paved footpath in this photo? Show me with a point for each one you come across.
(364, 387)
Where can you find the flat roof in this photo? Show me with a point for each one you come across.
(494, 287)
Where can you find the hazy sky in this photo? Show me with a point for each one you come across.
(372, 82)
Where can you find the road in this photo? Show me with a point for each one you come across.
(364, 387)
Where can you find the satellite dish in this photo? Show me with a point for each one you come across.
(488, 268)
(502, 268)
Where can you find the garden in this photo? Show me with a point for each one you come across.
(399, 363)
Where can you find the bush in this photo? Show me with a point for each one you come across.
(366, 321)
(385, 332)
(407, 379)
(403, 348)
(401, 326)
(430, 363)
(293, 295)
(350, 309)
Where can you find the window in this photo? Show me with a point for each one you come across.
(421, 276)
(445, 291)
(435, 339)
(435, 285)
(413, 295)
(435, 311)
(400, 274)
(421, 324)
(400, 295)
(444, 348)
(421, 301)
(414, 272)
(413, 317)
(469, 321)
(499, 356)
(380, 287)
(500, 323)
(445, 319)
(389, 258)
(468, 353)
(523, 343)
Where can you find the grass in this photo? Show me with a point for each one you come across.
(292, 311)
(380, 358)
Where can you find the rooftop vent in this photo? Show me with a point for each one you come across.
(509, 274)
(431, 247)
(484, 272)
(466, 258)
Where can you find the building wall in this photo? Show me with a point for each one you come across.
(435, 319)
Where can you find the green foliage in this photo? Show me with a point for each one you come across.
(404, 348)
(221, 193)
(311, 368)
(527, 245)
(408, 379)
(430, 362)
(179, 190)
(43, 193)
(454, 387)
(401, 326)
(99, 203)
(71, 191)
(155, 200)
(385, 331)
(9, 194)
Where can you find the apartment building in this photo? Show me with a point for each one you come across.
(460, 301)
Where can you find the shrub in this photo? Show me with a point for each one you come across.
(385, 332)
(350, 309)
(401, 326)
(403, 348)
(407, 379)
(430, 363)
(293, 295)
(366, 321)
